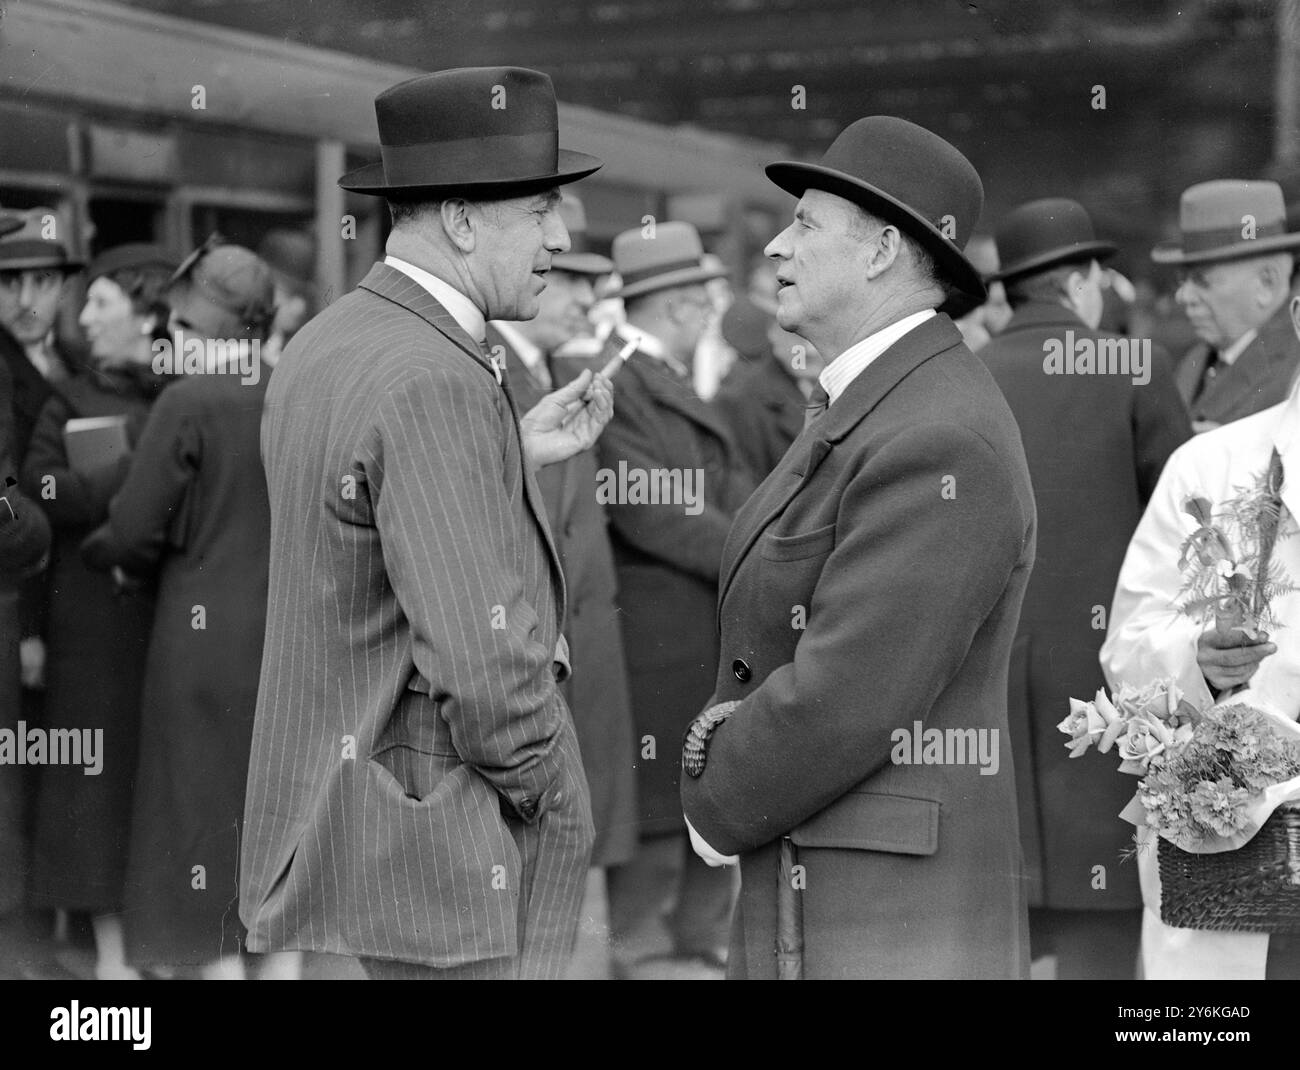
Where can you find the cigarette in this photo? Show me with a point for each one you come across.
(621, 358)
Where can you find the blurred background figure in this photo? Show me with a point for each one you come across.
(291, 256)
(668, 910)
(35, 268)
(979, 324)
(764, 397)
(96, 631)
(1235, 264)
(193, 513)
(1096, 444)
(24, 544)
(597, 691)
(713, 356)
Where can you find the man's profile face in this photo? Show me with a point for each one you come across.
(820, 263)
(693, 310)
(516, 239)
(29, 302)
(1221, 300)
(562, 309)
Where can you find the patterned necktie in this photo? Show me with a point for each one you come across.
(817, 403)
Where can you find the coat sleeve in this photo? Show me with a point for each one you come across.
(1160, 423)
(24, 531)
(912, 577)
(452, 551)
(689, 542)
(146, 517)
(78, 499)
(1148, 638)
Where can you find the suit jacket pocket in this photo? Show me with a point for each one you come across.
(866, 821)
(440, 870)
(797, 547)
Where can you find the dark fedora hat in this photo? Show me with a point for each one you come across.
(488, 132)
(1043, 233)
(909, 177)
(1228, 219)
(30, 247)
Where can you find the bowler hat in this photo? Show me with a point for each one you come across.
(229, 277)
(577, 260)
(909, 177)
(659, 258)
(1228, 219)
(490, 132)
(1040, 234)
(29, 247)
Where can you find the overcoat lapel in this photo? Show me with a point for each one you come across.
(401, 289)
(817, 440)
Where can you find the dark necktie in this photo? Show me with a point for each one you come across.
(1208, 374)
(817, 403)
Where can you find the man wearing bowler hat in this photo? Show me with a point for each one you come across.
(1235, 261)
(1099, 415)
(854, 756)
(416, 795)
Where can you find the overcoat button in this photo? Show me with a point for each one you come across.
(741, 670)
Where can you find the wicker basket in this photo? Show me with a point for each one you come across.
(1254, 889)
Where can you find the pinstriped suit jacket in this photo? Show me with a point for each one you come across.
(415, 789)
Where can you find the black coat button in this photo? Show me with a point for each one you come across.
(741, 670)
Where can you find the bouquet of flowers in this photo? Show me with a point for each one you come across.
(1227, 561)
(1210, 777)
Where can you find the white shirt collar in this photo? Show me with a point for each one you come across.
(1235, 350)
(837, 375)
(527, 352)
(651, 347)
(458, 306)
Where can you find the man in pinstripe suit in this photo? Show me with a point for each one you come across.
(416, 796)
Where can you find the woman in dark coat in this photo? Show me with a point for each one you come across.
(96, 632)
(194, 513)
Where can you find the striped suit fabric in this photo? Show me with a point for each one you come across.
(415, 790)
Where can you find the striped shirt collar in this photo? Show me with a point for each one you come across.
(840, 372)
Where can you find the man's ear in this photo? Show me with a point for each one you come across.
(459, 223)
(885, 249)
(1295, 315)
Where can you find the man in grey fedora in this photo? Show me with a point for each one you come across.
(416, 795)
(665, 904)
(1235, 261)
(854, 755)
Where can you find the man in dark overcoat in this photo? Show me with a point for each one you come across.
(854, 757)
(1099, 415)
(672, 478)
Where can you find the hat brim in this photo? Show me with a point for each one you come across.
(25, 263)
(797, 178)
(370, 180)
(668, 280)
(582, 263)
(1171, 252)
(1084, 250)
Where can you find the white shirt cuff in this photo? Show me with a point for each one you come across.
(707, 853)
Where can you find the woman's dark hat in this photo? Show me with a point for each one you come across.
(1043, 233)
(1228, 219)
(489, 132)
(909, 177)
(131, 256)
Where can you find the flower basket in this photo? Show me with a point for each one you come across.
(1253, 889)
